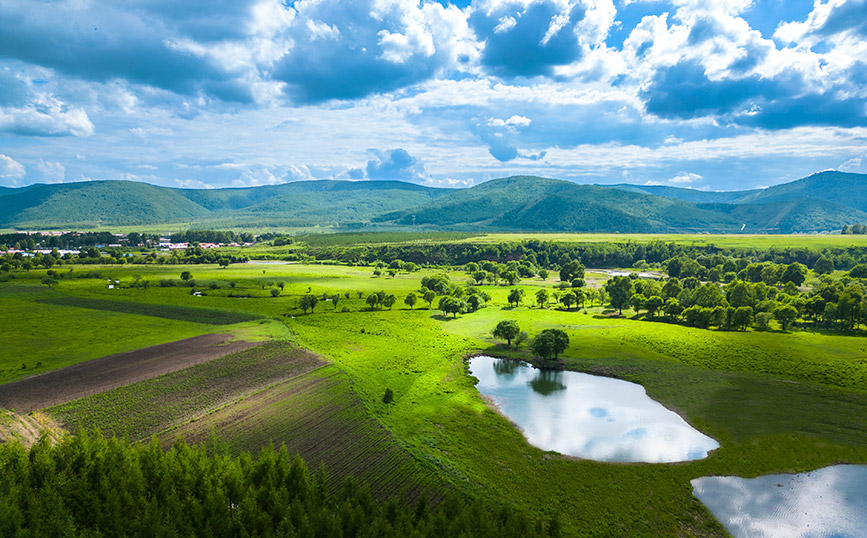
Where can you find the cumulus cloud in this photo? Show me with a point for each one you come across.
(11, 170)
(49, 172)
(687, 177)
(383, 46)
(394, 164)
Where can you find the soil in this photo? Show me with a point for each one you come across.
(106, 373)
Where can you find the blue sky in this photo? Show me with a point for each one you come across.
(714, 94)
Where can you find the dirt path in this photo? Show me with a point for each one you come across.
(105, 373)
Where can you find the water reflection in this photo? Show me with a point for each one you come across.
(830, 502)
(588, 416)
(546, 382)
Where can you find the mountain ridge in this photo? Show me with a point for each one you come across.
(824, 201)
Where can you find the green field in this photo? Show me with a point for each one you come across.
(757, 241)
(777, 402)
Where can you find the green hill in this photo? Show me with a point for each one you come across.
(821, 202)
(95, 203)
(532, 203)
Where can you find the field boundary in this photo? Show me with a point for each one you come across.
(209, 316)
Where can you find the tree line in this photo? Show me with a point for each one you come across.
(88, 485)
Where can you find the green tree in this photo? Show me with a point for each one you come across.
(786, 314)
(653, 304)
(410, 300)
(542, 298)
(824, 266)
(452, 305)
(619, 289)
(389, 300)
(507, 330)
(275, 292)
(795, 273)
(637, 302)
(479, 276)
(474, 302)
(429, 297)
(335, 299)
(568, 299)
(549, 343)
(742, 318)
(388, 397)
(571, 270)
(372, 301)
(308, 301)
(515, 296)
(543, 274)
(186, 275)
(224, 262)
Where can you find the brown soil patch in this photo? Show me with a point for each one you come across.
(106, 373)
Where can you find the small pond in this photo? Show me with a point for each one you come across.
(588, 416)
(830, 502)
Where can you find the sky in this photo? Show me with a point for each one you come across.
(713, 94)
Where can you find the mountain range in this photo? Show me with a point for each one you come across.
(821, 202)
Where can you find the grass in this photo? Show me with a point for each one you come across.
(752, 241)
(143, 409)
(44, 337)
(777, 402)
(208, 316)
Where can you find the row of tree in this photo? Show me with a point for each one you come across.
(91, 486)
(548, 344)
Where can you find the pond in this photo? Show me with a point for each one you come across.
(588, 416)
(829, 502)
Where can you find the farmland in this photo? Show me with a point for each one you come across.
(776, 400)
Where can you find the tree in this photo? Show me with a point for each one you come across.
(511, 277)
(452, 305)
(224, 262)
(515, 296)
(521, 338)
(275, 292)
(786, 314)
(410, 300)
(479, 276)
(372, 300)
(543, 274)
(795, 273)
(673, 308)
(388, 397)
(186, 275)
(619, 290)
(429, 297)
(568, 299)
(763, 320)
(474, 302)
(859, 271)
(507, 330)
(550, 343)
(389, 300)
(335, 299)
(308, 301)
(48, 281)
(392, 272)
(571, 270)
(824, 266)
(742, 318)
(653, 304)
(541, 298)
(637, 302)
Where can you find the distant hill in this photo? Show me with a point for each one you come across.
(821, 202)
(118, 203)
(541, 204)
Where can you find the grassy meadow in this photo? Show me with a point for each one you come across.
(777, 402)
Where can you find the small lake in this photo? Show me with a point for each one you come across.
(587, 416)
(827, 503)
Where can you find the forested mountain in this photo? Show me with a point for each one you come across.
(821, 202)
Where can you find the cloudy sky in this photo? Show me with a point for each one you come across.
(719, 94)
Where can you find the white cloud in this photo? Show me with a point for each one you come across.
(506, 23)
(46, 117)
(11, 170)
(688, 177)
(49, 172)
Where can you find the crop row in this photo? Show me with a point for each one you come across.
(319, 417)
(143, 409)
